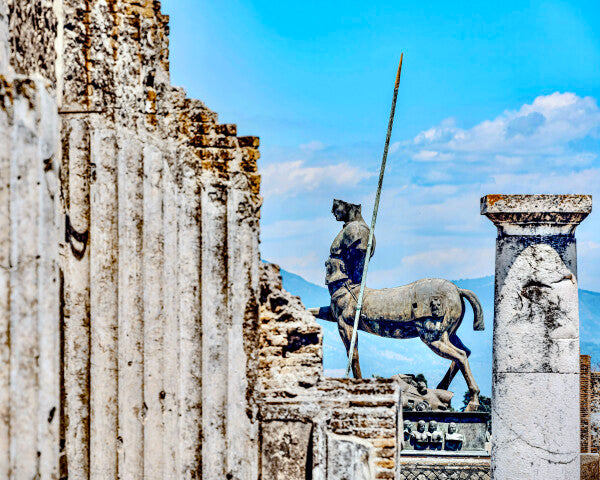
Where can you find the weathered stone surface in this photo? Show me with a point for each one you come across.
(536, 214)
(285, 449)
(349, 458)
(595, 412)
(290, 338)
(535, 382)
(523, 426)
(29, 281)
(537, 318)
(144, 294)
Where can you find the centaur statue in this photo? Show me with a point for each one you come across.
(431, 308)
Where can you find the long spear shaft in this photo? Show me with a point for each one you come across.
(373, 220)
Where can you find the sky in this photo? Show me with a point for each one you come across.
(495, 97)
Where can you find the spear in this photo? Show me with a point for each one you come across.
(373, 220)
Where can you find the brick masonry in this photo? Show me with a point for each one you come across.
(585, 402)
(589, 406)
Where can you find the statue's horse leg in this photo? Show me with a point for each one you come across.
(346, 334)
(444, 348)
(453, 370)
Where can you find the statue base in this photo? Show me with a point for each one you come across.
(452, 434)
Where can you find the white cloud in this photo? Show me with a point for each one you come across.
(293, 178)
(544, 127)
(467, 261)
(391, 355)
(432, 156)
(429, 222)
(313, 146)
(452, 263)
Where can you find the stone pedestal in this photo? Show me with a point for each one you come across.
(535, 385)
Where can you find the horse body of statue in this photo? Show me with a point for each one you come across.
(431, 308)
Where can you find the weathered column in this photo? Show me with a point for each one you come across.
(535, 385)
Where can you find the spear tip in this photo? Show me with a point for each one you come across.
(399, 70)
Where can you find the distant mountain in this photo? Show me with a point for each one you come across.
(386, 357)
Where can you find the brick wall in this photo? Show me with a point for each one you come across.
(589, 406)
(585, 402)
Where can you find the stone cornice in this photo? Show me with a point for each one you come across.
(536, 214)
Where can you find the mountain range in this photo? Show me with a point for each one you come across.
(386, 357)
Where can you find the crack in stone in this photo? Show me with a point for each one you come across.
(519, 437)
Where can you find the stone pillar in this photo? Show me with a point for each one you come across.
(535, 385)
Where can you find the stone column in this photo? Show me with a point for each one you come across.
(535, 385)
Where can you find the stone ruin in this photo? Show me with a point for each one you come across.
(140, 335)
(136, 337)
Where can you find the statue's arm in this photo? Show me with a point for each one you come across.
(324, 313)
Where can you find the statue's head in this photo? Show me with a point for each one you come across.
(421, 426)
(345, 211)
(407, 425)
(452, 427)
(432, 426)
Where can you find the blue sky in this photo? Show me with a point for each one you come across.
(496, 97)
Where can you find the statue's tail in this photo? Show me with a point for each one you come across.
(324, 313)
(477, 310)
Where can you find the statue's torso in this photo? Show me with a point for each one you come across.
(350, 246)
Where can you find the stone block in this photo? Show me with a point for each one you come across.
(285, 448)
(349, 458)
(527, 441)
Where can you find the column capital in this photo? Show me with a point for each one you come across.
(536, 214)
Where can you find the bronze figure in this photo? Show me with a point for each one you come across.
(431, 308)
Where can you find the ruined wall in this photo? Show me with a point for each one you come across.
(129, 254)
(29, 300)
(311, 426)
(585, 389)
(590, 407)
(131, 342)
(155, 306)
